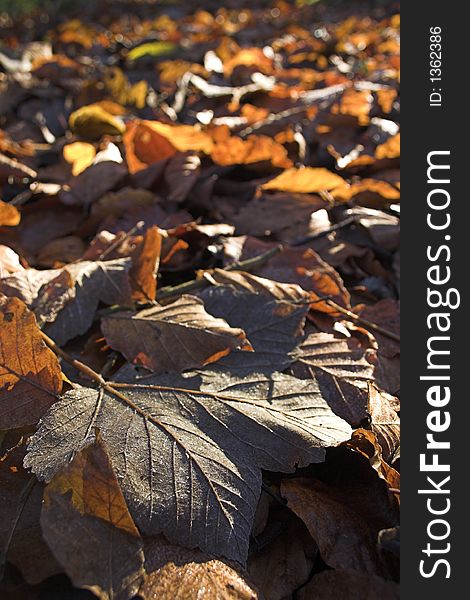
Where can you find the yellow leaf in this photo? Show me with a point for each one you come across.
(305, 181)
(80, 155)
(92, 122)
(152, 49)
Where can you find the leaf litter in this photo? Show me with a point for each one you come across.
(199, 298)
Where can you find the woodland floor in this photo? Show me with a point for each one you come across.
(199, 300)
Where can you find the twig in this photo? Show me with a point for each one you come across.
(195, 284)
(316, 236)
(307, 98)
(367, 323)
(120, 239)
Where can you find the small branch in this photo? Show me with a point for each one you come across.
(120, 239)
(316, 236)
(307, 98)
(359, 319)
(195, 284)
(86, 370)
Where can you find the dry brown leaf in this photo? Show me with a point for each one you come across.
(385, 421)
(84, 503)
(21, 540)
(175, 573)
(340, 520)
(145, 263)
(341, 368)
(175, 337)
(340, 584)
(285, 564)
(305, 268)
(386, 98)
(30, 374)
(386, 314)
(61, 251)
(182, 137)
(365, 443)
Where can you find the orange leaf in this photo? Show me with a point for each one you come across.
(249, 57)
(305, 181)
(30, 374)
(143, 275)
(144, 146)
(183, 137)
(9, 215)
(389, 149)
(256, 148)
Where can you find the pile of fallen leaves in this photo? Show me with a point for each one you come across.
(199, 285)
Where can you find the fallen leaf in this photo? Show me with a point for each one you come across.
(266, 214)
(217, 437)
(365, 443)
(340, 584)
(93, 122)
(305, 181)
(249, 57)
(61, 251)
(285, 564)
(273, 327)
(389, 149)
(21, 540)
(30, 374)
(65, 300)
(175, 573)
(233, 150)
(182, 137)
(175, 337)
(145, 146)
(304, 267)
(9, 215)
(344, 537)
(248, 282)
(151, 49)
(145, 263)
(341, 368)
(80, 155)
(93, 183)
(83, 505)
(386, 314)
(385, 421)
(369, 192)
